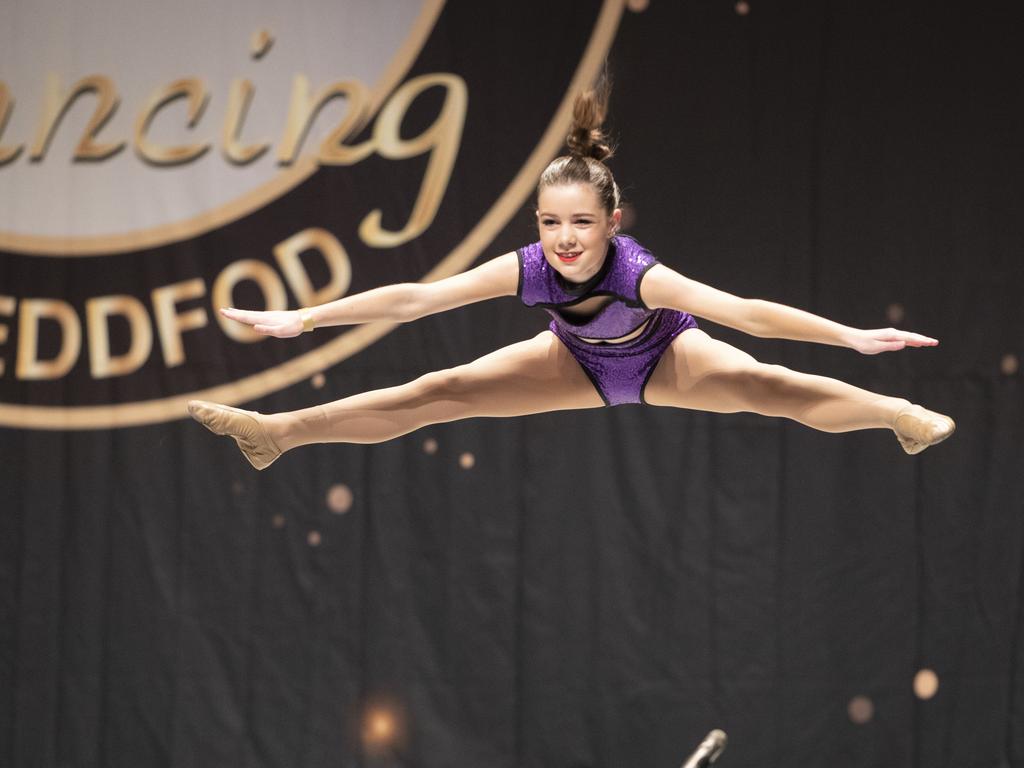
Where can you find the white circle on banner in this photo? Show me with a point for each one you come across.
(142, 46)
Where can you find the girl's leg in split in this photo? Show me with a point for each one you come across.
(702, 373)
(529, 377)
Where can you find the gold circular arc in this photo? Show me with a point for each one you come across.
(341, 347)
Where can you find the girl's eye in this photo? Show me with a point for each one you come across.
(548, 222)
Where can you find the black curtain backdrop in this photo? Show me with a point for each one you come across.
(599, 588)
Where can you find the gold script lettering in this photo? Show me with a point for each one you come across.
(7, 305)
(28, 365)
(441, 139)
(58, 105)
(239, 98)
(302, 111)
(169, 324)
(195, 91)
(287, 254)
(6, 153)
(97, 314)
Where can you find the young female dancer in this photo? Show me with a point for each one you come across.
(622, 332)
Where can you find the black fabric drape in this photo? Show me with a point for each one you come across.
(601, 587)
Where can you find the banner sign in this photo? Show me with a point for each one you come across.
(159, 162)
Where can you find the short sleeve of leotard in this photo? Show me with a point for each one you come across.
(532, 274)
(631, 264)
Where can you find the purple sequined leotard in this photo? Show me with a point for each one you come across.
(619, 371)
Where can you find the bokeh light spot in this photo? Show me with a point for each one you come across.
(860, 709)
(318, 381)
(926, 684)
(277, 520)
(1010, 364)
(467, 460)
(380, 726)
(895, 313)
(339, 498)
(742, 8)
(314, 538)
(382, 729)
(430, 446)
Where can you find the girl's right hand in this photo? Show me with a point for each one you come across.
(887, 340)
(280, 323)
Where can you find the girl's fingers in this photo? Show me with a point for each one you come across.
(913, 339)
(247, 316)
(241, 315)
(266, 323)
(892, 340)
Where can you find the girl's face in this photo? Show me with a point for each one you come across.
(574, 230)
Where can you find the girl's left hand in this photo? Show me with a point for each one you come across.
(888, 340)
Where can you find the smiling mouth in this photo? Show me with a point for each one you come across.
(568, 258)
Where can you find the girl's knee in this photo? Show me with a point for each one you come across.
(752, 373)
(772, 377)
(753, 382)
(773, 372)
(446, 383)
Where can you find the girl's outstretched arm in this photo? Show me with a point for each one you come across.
(398, 303)
(663, 287)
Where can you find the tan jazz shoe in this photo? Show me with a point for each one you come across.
(244, 426)
(916, 428)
